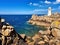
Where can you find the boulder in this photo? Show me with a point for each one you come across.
(41, 43)
(36, 37)
(46, 39)
(56, 33)
(51, 42)
(2, 20)
(22, 35)
(31, 43)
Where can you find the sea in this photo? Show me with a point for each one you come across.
(20, 24)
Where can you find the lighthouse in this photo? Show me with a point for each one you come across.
(49, 11)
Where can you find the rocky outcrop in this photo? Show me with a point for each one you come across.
(51, 36)
(8, 35)
(47, 37)
(43, 20)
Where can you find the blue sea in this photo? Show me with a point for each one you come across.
(21, 25)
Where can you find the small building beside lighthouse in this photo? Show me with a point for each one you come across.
(49, 11)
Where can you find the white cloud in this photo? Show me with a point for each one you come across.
(35, 4)
(30, 3)
(37, 10)
(56, 2)
(47, 2)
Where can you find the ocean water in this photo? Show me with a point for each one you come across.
(21, 25)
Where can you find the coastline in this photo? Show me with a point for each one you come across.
(44, 21)
(41, 36)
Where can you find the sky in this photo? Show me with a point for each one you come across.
(28, 6)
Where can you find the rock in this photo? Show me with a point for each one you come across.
(7, 32)
(43, 20)
(56, 33)
(10, 27)
(41, 43)
(34, 17)
(58, 43)
(36, 37)
(47, 32)
(55, 24)
(2, 20)
(31, 43)
(9, 36)
(22, 35)
(7, 24)
(41, 32)
(45, 38)
(51, 42)
(4, 26)
(50, 36)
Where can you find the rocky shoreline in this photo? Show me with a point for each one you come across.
(50, 36)
(44, 20)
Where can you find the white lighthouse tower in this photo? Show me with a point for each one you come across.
(49, 11)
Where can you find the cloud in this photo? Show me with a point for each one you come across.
(47, 2)
(35, 4)
(30, 3)
(56, 2)
(37, 10)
